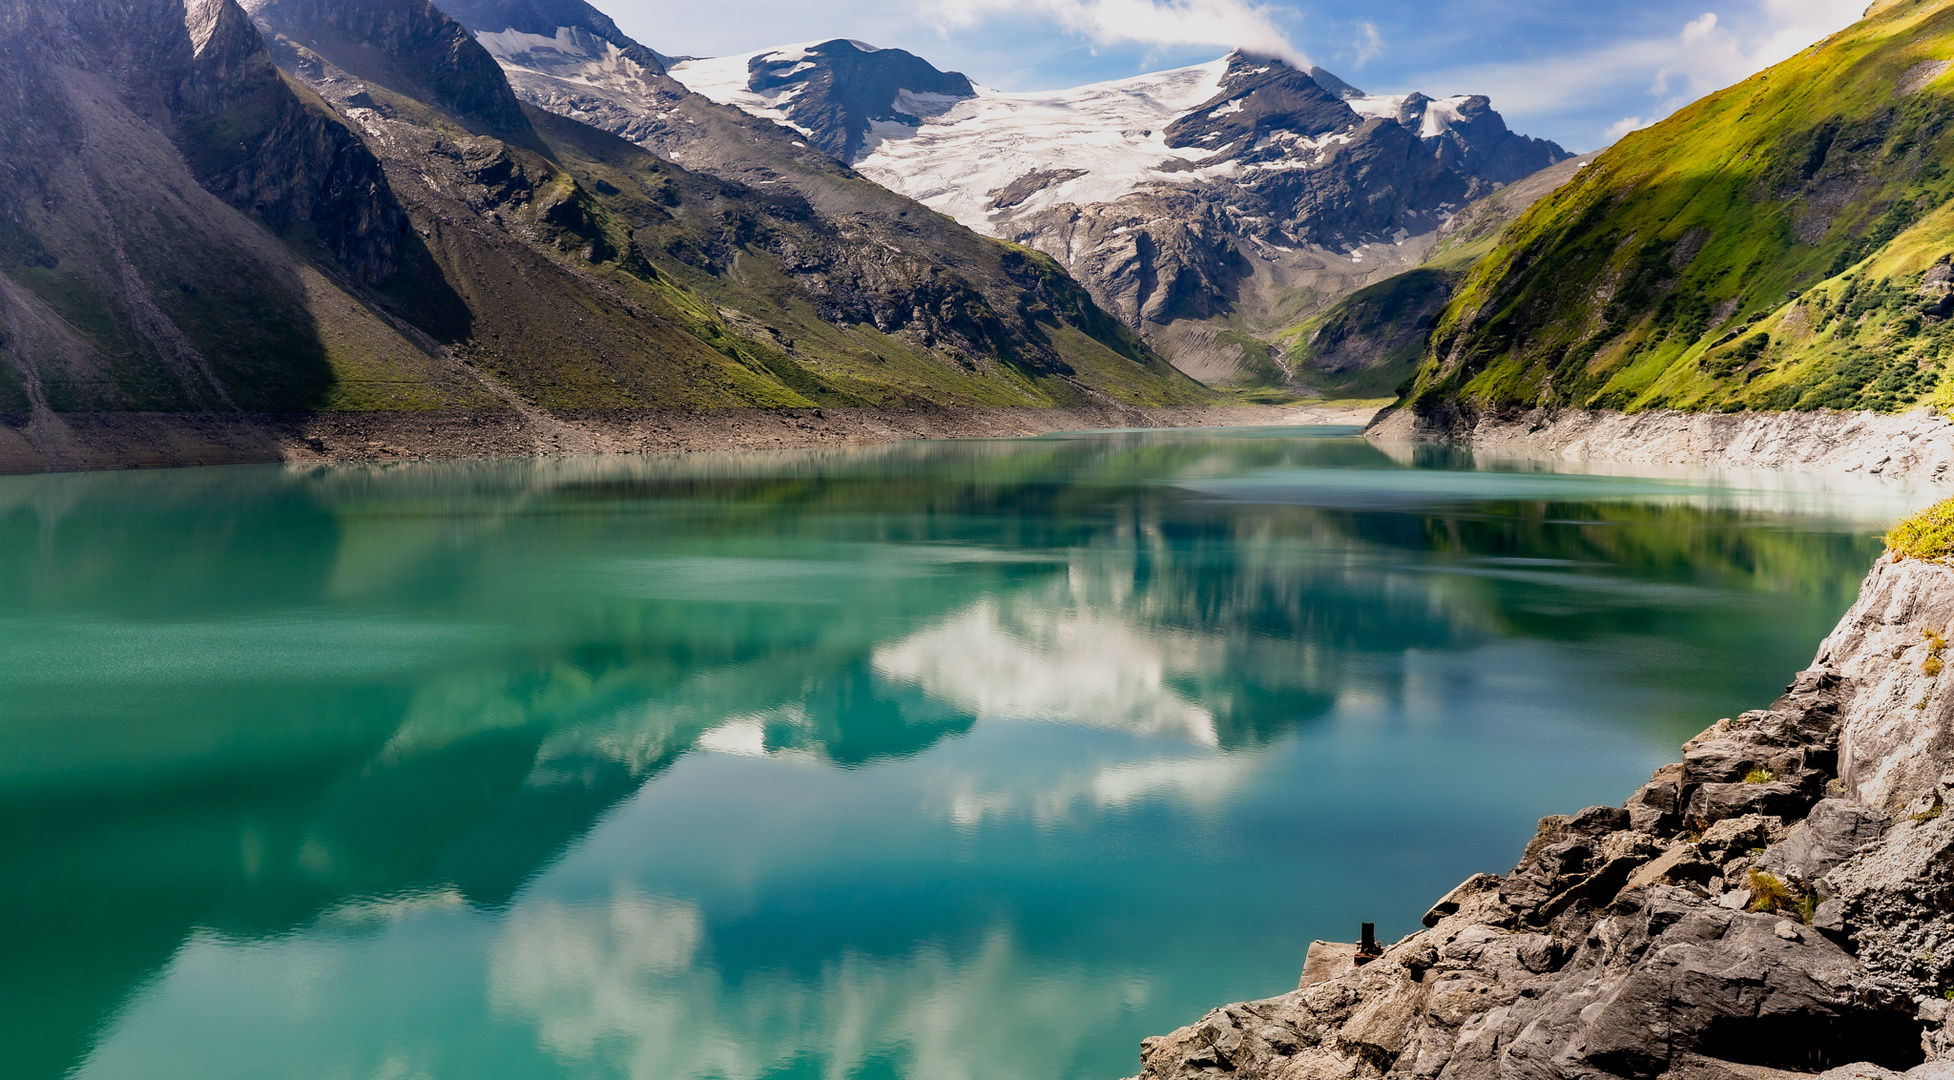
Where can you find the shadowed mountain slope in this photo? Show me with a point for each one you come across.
(362, 215)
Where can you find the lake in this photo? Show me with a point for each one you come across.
(935, 761)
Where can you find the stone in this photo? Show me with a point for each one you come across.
(1700, 1067)
(1450, 903)
(1734, 838)
(1657, 807)
(1834, 832)
(1788, 931)
(1711, 803)
(1326, 960)
(1681, 864)
(1863, 1070)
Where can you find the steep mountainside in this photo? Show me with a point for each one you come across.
(383, 225)
(1368, 344)
(1783, 244)
(1195, 204)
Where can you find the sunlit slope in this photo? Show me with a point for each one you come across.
(1782, 244)
(1368, 344)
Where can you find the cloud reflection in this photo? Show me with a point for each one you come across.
(622, 983)
(1199, 782)
(1032, 662)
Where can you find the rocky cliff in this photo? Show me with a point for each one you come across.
(1779, 903)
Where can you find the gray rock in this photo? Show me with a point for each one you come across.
(1864, 1070)
(1712, 803)
(1682, 864)
(1657, 807)
(1735, 837)
(1450, 903)
(1834, 832)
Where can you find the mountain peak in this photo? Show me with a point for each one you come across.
(836, 91)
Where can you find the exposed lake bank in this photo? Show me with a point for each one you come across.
(71, 442)
(1913, 445)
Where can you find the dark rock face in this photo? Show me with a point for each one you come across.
(405, 44)
(1624, 946)
(133, 136)
(1475, 140)
(844, 89)
(259, 146)
(1259, 98)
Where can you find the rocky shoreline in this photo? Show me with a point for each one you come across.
(63, 442)
(1778, 904)
(1913, 445)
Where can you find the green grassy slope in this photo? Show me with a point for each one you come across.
(1368, 344)
(1780, 244)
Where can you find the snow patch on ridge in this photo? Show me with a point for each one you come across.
(967, 149)
(725, 79)
(574, 55)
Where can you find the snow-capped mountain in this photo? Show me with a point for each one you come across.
(1195, 204)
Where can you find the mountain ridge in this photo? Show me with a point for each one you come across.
(1193, 245)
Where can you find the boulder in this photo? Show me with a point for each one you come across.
(1680, 865)
(1835, 831)
(1712, 803)
(1735, 837)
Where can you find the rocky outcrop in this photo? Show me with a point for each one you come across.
(843, 89)
(410, 47)
(1917, 444)
(1780, 902)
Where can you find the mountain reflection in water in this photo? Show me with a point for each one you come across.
(932, 760)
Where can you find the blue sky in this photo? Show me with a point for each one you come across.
(1579, 73)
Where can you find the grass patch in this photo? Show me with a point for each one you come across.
(1769, 892)
(1927, 535)
(1760, 775)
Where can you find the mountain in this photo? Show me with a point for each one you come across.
(343, 205)
(1782, 244)
(1369, 344)
(1203, 206)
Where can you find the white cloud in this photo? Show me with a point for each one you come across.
(1623, 126)
(1656, 76)
(1368, 46)
(1176, 24)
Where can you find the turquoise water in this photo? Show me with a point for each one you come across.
(934, 761)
